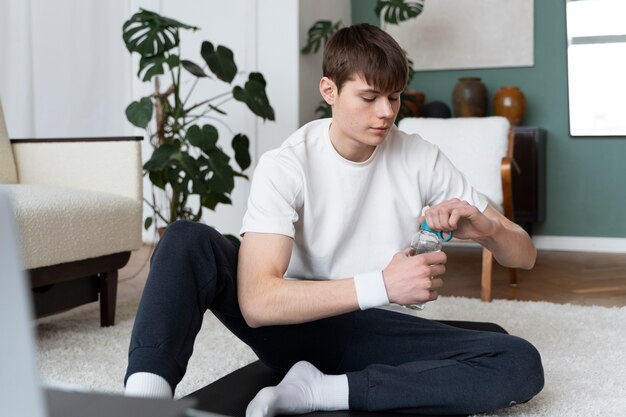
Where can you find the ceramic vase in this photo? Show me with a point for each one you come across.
(469, 98)
(510, 102)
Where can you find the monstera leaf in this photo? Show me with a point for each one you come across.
(204, 138)
(150, 34)
(139, 113)
(162, 157)
(193, 68)
(253, 94)
(154, 65)
(222, 180)
(318, 35)
(241, 145)
(220, 61)
(396, 11)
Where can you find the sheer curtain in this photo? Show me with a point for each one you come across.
(64, 70)
(16, 90)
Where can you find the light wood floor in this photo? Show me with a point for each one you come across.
(560, 277)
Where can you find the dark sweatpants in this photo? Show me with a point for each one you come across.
(392, 360)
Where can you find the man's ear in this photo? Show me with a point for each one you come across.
(328, 90)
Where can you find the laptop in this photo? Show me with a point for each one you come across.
(21, 391)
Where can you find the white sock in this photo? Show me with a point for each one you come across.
(145, 384)
(304, 389)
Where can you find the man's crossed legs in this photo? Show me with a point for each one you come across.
(381, 360)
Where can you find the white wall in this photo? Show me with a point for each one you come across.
(278, 59)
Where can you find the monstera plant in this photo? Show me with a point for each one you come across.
(188, 160)
(390, 12)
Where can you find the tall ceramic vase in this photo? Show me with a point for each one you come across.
(469, 98)
(510, 103)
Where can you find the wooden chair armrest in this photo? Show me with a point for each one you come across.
(507, 187)
(509, 153)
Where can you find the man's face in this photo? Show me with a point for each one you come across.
(362, 116)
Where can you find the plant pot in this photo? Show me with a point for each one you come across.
(469, 98)
(510, 102)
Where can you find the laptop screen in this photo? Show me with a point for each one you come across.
(21, 393)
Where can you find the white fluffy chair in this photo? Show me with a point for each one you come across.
(78, 205)
(481, 148)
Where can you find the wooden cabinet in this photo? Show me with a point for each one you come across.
(529, 183)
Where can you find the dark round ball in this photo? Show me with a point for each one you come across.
(437, 109)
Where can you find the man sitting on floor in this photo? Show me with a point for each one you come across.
(324, 243)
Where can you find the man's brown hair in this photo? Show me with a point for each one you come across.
(369, 52)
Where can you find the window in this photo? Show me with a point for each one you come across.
(596, 53)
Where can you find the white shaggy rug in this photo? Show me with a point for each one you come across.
(583, 350)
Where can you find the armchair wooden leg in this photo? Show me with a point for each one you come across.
(513, 277)
(485, 292)
(108, 298)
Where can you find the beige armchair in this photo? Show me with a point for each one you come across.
(481, 148)
(78, 206)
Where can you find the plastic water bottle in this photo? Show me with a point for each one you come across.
(426, 240)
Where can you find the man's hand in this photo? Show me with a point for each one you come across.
(509, 243)
(459, 216)
(414, 279)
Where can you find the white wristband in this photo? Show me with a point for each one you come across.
(370, 290)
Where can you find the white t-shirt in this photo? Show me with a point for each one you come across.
(348, 217)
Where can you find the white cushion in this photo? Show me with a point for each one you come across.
(60, 224)
(475, 145)
(8, 175)
(107, 166)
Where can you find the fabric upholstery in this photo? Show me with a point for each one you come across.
(475, 145)
(61, 224)
(8, 175)
(113, 166)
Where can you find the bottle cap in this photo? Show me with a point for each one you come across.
(439, 234)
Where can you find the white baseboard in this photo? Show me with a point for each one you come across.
(570, 243)
(581, 243)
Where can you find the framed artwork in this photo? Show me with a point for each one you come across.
(465, 34)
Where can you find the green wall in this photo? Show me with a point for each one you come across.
(586, 177)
